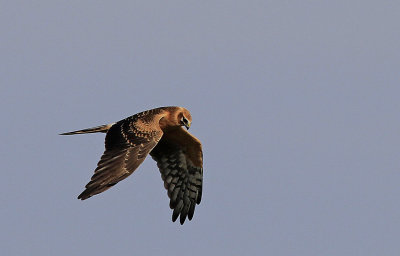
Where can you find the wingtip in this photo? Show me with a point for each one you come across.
(182, 218)
(82, 196)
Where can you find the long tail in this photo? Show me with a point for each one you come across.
(101, 128)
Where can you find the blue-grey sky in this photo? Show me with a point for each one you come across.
(296, 103)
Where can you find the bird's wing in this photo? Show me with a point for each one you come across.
(180, 160)
(127, 144)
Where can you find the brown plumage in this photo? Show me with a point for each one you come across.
(157, 132)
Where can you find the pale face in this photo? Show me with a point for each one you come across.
(184, 117)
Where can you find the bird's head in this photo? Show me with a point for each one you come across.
(184, 118)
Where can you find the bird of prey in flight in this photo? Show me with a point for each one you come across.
(160, 133)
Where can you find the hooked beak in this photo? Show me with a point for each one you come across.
(187, 125)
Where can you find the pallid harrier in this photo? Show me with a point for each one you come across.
(157, 132)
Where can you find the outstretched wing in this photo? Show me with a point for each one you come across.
(127, 144)
(180, 160)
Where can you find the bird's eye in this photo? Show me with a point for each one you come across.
(184, 120)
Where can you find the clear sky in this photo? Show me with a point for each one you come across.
(296, 103)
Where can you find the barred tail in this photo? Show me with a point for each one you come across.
(101, 128)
